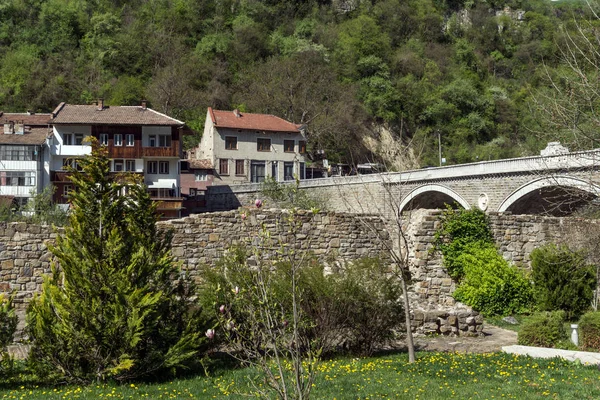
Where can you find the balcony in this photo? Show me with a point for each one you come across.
(74, 150)
(152, 152)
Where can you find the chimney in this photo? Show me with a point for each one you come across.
(236, 112)
(143, 104)
(100, 104)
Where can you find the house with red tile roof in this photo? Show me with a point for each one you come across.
(139, 140)
(245, 147)
(24, 156)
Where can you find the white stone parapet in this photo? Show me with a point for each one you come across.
(584, 357)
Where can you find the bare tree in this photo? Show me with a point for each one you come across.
(366, 202)
(568, 107)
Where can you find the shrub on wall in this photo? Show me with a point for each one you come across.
(490, 284)
(589, 331)
(458, 230)
(544, 329)
(562, 280)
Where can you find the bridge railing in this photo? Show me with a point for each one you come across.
(568, 161)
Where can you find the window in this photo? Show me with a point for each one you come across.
(224, 166)
(68, 139)
(152, 140)
(288, 171)
(161, 193)
(17, 178)
(263, 144)
(302, 146)
(152, 167)
(164, 140)
(117, 165)
(129, 141)
(274, 170)
(79, 139)
(201, 176)
(104, 139)
(239, 167)
(302, 170)
(163, 167)
(288, 146)
(130, 165)
(118, 139)
(67, 189)
(71, 163)
(231, 143)
(18, 153)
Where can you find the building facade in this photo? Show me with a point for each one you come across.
(24, 156)
(245, 147)
(139, 140)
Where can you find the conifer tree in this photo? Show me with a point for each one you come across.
(114, 306)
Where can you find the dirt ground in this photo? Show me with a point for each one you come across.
(492, 341)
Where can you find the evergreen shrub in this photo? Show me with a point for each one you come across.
(562, 280)
(8, 326)
(490, 285)
(589, 331)
(544, 329)
(115, 305)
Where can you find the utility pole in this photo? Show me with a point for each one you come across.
(440, 146)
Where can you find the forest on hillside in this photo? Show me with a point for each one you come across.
(373, 80)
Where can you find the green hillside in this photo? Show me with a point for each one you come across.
(373, 80)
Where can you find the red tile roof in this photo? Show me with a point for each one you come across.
(25, 118)
(257, 122)
(110, 115)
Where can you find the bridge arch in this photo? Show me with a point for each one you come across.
(431, 196)
(553, 195)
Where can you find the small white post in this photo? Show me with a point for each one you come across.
(574, 334)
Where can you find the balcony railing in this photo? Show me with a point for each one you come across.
(173, 151)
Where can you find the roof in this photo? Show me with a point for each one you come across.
(26, 118)
(200, 164)
(115, 115)
(259, 122)
(31, 137)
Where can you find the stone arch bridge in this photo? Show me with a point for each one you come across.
(555, 185)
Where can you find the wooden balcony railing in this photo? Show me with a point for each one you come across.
(172, 151)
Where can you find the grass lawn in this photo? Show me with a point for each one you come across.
(433, 376)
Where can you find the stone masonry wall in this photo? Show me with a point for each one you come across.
(202, 239)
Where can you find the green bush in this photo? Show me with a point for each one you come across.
(589, 331)
(114, 309)
(357, 308)
(562, 280)
(544, 329)
(289, 195)
(458, 230)
(490, 284)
